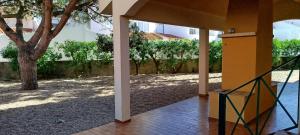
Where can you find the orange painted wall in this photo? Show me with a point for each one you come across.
(239, 61)
(246, 56)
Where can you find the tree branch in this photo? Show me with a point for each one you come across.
(64, 19)
(9, 32)
(19, 28)
(19, 23)
(38, 34)
(42, 46)
(79, 7)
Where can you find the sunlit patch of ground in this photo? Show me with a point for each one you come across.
(281, 76)
(57, 90)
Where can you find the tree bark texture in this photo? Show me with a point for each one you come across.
(28, 69)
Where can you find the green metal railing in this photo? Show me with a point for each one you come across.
(257, 83)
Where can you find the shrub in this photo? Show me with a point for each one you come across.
(155, 52)
(290, 48)
(215, 56)
(276, 52)
(178, 52)
(167, 56)
(105, 43)
(47, 65)
(105, 48)
(138, 50)
(285, 50)
(81, 53)
(11, 52)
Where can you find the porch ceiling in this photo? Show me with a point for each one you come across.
(286, 9)
(215, 7)
(179, 13)
(194, 13)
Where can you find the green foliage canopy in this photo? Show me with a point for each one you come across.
(86, 9)
(179, 52)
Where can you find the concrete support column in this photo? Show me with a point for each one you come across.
(121, 65)
(203, 61)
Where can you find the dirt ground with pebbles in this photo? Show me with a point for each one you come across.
(66, 106)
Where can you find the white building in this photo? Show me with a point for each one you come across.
(179, 31)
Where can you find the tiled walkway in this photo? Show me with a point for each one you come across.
(189, 117)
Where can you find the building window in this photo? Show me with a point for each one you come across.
(193, 31)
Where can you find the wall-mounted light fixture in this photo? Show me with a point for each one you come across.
(231, 30)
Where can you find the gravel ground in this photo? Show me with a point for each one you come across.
(65, 106)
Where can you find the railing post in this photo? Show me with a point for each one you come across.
(257, 106)
(222, 113)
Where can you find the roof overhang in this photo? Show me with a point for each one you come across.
(286, 9)
(105, 7)
(192, 13)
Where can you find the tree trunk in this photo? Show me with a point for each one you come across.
(156, 62)
(28, 69)
(136, 68)
(156, 67)
(177, 69)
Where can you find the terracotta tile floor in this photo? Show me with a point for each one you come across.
(189, 117)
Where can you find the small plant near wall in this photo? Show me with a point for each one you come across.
(11, 52)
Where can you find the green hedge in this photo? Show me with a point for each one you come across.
(83, 54)
(215, 56)
(168, 56)
(285, 50)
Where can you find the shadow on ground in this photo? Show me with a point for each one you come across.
(71, 105)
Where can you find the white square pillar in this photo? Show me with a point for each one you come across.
(121, 65)
(203, 61)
